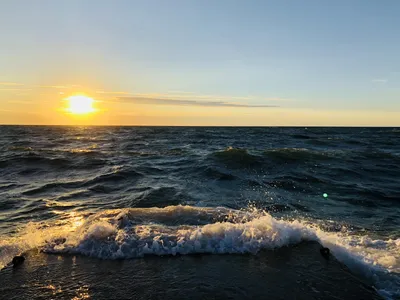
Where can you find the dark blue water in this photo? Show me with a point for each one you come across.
(341, 185)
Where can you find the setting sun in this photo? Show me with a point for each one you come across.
(80, 105)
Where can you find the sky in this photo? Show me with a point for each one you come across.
(186, 62)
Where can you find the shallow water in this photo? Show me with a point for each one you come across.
(90, 191)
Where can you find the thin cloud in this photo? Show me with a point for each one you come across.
(52, 86)
(181, 92)
(11, 83)
(180, 102)
(112, 93)
(379, 80)
(179, 96)
(14, 90)
(10, 90)
(193, 96)
(20, 101)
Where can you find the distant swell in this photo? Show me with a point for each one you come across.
(295, 154)
(53, 161)
(36, 159)
(52, 186)
(236, 157)
(217, 174)
(115, 176)
(112, 177)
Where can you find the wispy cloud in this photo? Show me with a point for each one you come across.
(14, 89)
(20, 101)
(379, 80)
(11, 83)
(112, 93)
(185, 96)
(181, 92)
(10, 90)
(52, 86)
(212, 98)
(181, 102)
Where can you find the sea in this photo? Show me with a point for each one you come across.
(134, 195)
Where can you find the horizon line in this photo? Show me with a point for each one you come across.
(237, 126)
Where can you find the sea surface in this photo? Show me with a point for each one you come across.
(139, 192)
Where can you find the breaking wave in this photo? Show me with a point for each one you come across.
(181, 230)
(236, 157)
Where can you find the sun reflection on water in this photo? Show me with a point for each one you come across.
(75, 220)
(82, 293)
(69, 220)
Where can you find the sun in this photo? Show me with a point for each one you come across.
(80, 105)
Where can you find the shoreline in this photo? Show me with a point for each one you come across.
(298, 271)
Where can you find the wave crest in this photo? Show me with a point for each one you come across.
(294, 154)
(236, 157)
(173, 230)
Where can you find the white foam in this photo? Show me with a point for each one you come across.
(131, 233)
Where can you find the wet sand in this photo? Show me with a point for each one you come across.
(295, 272)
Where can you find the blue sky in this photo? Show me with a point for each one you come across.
(317, 55)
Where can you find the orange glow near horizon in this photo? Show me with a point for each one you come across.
(80, 105)
(70, 106)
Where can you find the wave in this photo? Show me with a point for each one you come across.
(52, 186)
(29, 163)
(163, 196)
(181, 230)
(138, 153)
(31, 158)
(8, 204)
(9, 186)
(114, 176)
(379, 154)
(236, 157)
(301, 136)
(20, 148)
(73, 195)
(295, 154)
(319, 142)
(46, 151)
(217, 174)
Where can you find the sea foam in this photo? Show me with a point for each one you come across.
(173, 230)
